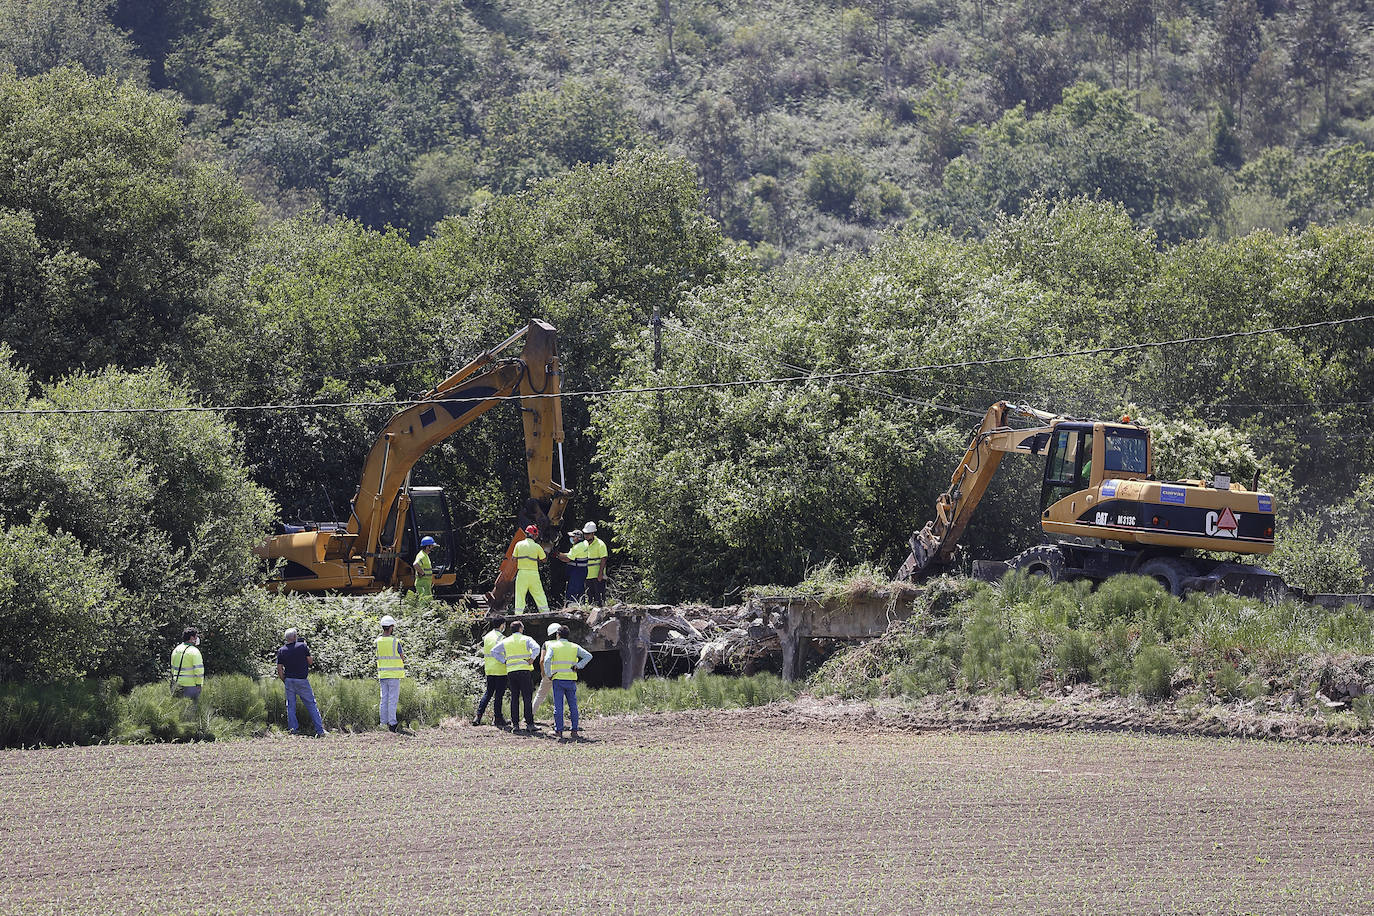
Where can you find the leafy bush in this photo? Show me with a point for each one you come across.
(1316, 564)
(160, 502)
(342, 632)
(833, 181)
(59, 605)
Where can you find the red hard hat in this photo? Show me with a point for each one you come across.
(532, 530)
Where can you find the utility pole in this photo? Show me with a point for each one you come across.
(656, 322)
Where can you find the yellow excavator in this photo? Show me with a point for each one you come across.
(1105, 510)
(371, 551)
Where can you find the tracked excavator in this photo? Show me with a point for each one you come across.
(1104, 510)
(371, 550)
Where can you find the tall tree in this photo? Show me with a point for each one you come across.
(1323, 48)
(115, 232)
(1236, 50)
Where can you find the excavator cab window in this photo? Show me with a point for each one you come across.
(1127, 451)
(1069, 465)
(429, 517)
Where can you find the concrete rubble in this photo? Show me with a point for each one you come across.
(763, 634)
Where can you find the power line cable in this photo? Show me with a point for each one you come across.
(704, 386)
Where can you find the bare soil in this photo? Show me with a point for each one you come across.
(814, 808)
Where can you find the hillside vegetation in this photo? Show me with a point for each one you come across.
(236, 204)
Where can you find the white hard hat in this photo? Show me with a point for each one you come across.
(589, 528)
(388, 621)
(553, 629)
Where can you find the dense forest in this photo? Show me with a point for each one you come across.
(234, 203)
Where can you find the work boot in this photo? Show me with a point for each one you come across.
(392, 727)
(576, 735)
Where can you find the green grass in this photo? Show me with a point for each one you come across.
(1128, 636)
(234, 706)
(703, 692)
(69, 712)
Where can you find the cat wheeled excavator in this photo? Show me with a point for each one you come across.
(1104, 510)
(371, 551)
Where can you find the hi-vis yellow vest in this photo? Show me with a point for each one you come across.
(518, 657)
(389, 662)
(527, 555)
(188, 659)
(562, 656)
(488, 643)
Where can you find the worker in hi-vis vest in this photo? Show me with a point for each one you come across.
(545, 683)
(424, 569)
(391, 667)
(562, 660)
(518, 652)
(593, 551)
(528, 555)
(188, 668)
(496, 674)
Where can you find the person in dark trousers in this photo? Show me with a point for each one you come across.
(577, 569)
(496, 674)
(518, 652)
(293, 667)
(594, 552)
(188, 667)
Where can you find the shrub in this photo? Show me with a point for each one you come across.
(1073, 657)
(1113, 670)
(1153, 671)
(995, 656)
(833, 181)
(1125, 598)
(1318, 565)
(235, 696)
(69, 712)
(151, 713)
(1227, 681)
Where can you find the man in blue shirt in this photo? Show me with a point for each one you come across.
(293, 667)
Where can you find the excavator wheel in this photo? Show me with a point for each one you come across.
(1045, 560)
(1169, 572)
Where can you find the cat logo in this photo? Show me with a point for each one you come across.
(1101, 518)
(1223, 525)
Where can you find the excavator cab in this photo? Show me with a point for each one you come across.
(429, 517)
(1068, 465)
(1082, 455)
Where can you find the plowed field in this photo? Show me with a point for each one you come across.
(746, 812)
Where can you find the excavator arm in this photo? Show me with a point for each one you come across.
(934, 545)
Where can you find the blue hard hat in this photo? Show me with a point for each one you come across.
(427, 541)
